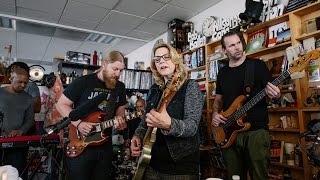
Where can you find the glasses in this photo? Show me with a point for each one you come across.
(165, 57)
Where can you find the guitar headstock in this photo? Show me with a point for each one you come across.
(301, 63)
(173, 83)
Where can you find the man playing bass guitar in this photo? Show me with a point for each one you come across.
(175, 153)
(250, 149)
(96, 161)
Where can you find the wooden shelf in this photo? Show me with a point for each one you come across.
(269, 23)
(192, 50)
(286, 165)
(307, 9)
(197, 69)
(287, 90)
(283, 109)
(200, 79)
(311, 109)
(294, 130)
(315, 34)
(264, 51)
(211, 81)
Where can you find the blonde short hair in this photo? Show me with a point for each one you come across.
(176, 60)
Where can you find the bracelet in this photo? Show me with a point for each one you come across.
(78, 125)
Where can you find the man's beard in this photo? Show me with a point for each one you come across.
(110, 83)
(235, 57)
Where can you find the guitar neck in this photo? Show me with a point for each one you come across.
(253, 101)
(111, 122)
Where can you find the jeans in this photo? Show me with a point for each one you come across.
(90, 165)
(249, 153)
(151, 174)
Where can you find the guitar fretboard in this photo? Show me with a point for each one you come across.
(109, 123)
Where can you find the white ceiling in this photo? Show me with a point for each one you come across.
(132, 22)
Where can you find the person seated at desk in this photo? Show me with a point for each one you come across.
(18, 117)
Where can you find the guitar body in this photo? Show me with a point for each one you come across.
(145, 157)
(77, 142)
(225, 137)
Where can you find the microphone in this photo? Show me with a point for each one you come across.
(78, 113)
(313, 128)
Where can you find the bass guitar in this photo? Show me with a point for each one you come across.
(75, 143)
(150, 136)
(226, 133)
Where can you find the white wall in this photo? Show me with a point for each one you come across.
(224, 9)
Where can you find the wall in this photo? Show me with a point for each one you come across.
(224, 9)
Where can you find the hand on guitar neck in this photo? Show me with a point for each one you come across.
(86, 128)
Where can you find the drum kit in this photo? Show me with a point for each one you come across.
(124, 166)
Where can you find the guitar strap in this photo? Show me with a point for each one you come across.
(112, 101)
(248, 77)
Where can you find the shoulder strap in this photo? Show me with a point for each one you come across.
(248, 77)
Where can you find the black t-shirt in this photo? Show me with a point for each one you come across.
(87, 87)
(230, 84)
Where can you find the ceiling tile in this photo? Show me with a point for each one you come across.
(34, 14)
(8, 2)
(70, 34)
(165, 1)
(90, 47)
(85, 12)
(113, 29)
(52, 7)
(59, 47)
(170, 12)
(32, 28)
(30, 46)
(77, 23)
(109, 4)
(8, 37)
(126, 46)
(152, 26)
(144, 8)
(7, 9)
(119, 23)
(199, 5)
(142, 35)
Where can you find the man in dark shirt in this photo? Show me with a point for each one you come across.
(250, 150)
(18, 117)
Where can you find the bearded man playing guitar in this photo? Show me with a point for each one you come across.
(96, 161)
(250, 149)
(174, 118)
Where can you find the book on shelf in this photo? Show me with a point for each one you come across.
(296, 4)
(257, 40)
(214, 67)
(275, 30)
(276, 150)
(197, 74)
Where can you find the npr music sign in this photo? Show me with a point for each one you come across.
(223, 25)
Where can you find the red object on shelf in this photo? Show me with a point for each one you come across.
(95, 58)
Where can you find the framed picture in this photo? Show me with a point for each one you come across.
(139, 65)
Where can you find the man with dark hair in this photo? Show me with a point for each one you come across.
(96, 161)
(18, 116)
(31, 88)
(250, 150)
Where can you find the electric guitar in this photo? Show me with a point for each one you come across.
(75, 143)
(150, 136)
(225, 134)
